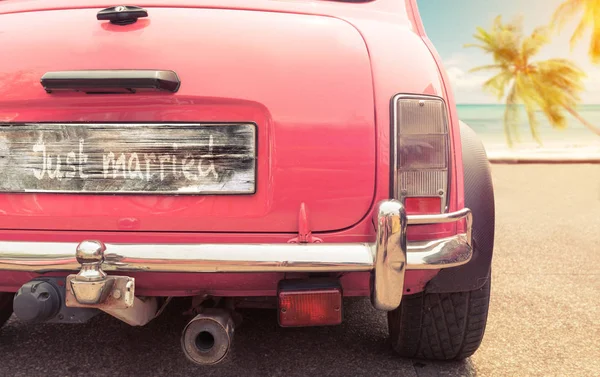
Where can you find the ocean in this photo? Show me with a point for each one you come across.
(575, 140)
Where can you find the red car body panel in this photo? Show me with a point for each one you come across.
(298, 98)
(316, 76)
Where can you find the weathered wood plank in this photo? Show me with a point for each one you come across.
(128, 158)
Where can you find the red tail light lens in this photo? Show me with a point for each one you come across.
(320, 307)
(424, 205)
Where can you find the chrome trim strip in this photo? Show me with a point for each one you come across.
(438, 219)
(388, 257)
(25, 256)
(464, 213)
(51, 256)
(445, 253)
(387, 286)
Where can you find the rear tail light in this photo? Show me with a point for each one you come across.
(421, 147)
(308, 304)
(423, 205)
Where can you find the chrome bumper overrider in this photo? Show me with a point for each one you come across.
(388, 258)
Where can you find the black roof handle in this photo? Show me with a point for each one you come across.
(111, 81)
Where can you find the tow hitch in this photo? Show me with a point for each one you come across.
(115, 295)
(92, 287)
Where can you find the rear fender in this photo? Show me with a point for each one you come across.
(479, 197)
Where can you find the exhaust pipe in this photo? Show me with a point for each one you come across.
(207, 338)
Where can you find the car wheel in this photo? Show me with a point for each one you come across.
(6, 307)
(440, 326)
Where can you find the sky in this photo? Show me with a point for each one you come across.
(451, 23)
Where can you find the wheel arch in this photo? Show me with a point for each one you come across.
(479, 197)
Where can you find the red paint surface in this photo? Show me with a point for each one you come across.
(317, 78)
(310, 117)
(227, 285)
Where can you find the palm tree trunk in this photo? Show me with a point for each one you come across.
(590, 126)
(509, 115)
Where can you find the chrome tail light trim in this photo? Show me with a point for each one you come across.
(396, 190)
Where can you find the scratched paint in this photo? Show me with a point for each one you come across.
(128, 158)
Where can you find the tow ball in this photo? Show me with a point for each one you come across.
(115, 295)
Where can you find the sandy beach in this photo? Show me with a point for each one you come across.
(545, 313)
(544, 319)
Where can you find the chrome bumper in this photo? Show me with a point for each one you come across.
(388, 257)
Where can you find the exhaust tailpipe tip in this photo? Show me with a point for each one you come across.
(207, 339)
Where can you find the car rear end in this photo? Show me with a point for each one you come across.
(225, 152)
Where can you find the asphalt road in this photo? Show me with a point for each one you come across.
(544, 319)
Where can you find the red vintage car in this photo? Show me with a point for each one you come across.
(236, 154)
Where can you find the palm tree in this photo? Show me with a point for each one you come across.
(590, 10)
(552, 85)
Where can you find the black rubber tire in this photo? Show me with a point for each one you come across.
(6, 307)
(440, 326)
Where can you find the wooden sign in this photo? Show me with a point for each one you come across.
(128, 158)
